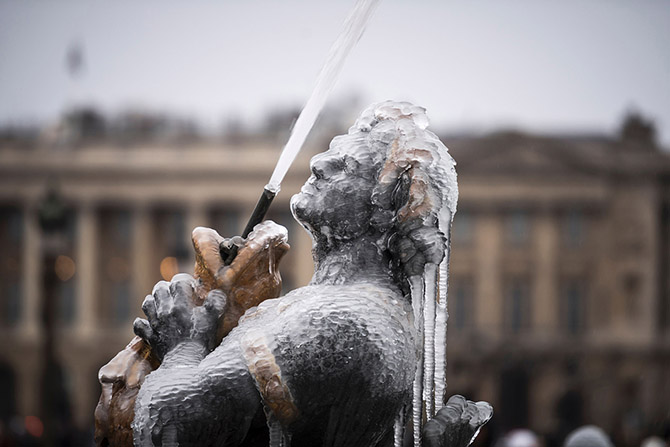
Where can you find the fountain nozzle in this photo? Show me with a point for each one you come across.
(257, 216)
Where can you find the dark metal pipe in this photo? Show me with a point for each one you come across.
(256, 217)
(259, 212)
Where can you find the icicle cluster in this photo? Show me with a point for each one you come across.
(420, 163)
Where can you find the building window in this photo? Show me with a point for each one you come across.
(227, 221)
(176, 234)
(517, 306)
(460, 302)
(121, 299)
(115, 265)
(11, 302)
(517, 228)
(67, 309)
(13, 226)
(172, 249)
(11, 239)
(573, 306)
(462, 229)
(574, 229)
(122, 227)
(632, 284)
(60, 284)
(171, 243)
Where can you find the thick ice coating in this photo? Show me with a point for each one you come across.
(414, 186)
(413, 202)
(410, 122)
(338, 362)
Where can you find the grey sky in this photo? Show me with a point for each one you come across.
(536, 64)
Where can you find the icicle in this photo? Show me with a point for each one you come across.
(430, 298)
(416, 286)
(169, 438)
(399, 428)
(277, 436)
(417, 405)
(442, 315)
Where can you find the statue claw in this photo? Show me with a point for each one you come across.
(457, 423)
(142, 329)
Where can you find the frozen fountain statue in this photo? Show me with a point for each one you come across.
(356, 358)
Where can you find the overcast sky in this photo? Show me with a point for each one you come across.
(541, 65)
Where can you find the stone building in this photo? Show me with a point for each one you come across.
(559, 289)
(559, 293)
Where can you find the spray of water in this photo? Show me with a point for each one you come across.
(351, 33)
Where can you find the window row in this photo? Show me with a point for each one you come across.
(517, 228)
(116, 303)
(517, 306)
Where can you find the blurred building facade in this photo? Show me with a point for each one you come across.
(87, 226)
(560, 275)
(559, 289)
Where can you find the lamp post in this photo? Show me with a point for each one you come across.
(55, 410)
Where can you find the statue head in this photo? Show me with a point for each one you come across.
(389, 179)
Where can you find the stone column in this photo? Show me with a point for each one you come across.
(31, 281)
(28, 367)
(648, 262)
(142, 277)
(488, 281)
(87, 271)
(545, 307)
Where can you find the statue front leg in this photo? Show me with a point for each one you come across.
(183, 402)
(251, 279)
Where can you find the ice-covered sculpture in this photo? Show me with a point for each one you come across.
(253, 278)
(348, 360)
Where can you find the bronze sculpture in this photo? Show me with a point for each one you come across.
(253, 279)
(335, 363)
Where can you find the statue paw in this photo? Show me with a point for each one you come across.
(251, 278)
(174, 317)
(457, 423)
